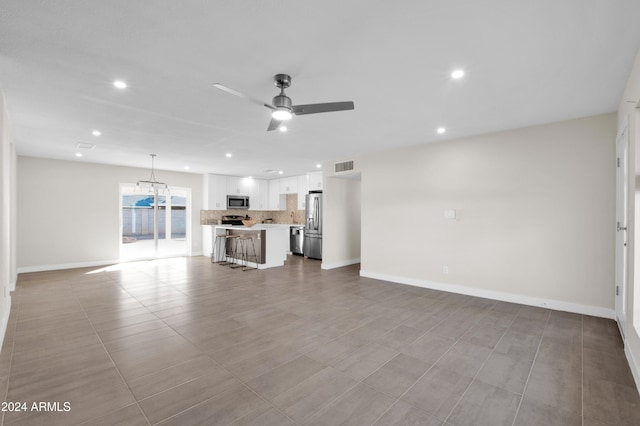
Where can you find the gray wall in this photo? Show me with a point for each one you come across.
(81, 200)
(535, 206)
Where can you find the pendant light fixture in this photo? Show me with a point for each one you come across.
(152, 183)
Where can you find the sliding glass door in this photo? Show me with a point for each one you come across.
(153, 224)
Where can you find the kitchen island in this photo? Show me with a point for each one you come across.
(270, 241)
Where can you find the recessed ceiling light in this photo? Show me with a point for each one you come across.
(457, 74)
(96, 133)
(186, 167)
(441, 130)
(280, 172)
(120, 84)
(228, 155)
(78, 154)
(318, 166)
(283, 128)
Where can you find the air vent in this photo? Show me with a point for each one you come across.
(84, 145)
(344, 166)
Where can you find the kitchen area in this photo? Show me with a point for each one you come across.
(256, 223)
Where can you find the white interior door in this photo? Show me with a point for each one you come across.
(622, 202)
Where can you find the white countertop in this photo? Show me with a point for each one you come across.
(257, 225)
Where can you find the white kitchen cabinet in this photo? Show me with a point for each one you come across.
(264, 194)
(289, 185)
(277, 201)
(238, 185)
(215, 192)
(315, 181)
(302, 191)
(259, 195)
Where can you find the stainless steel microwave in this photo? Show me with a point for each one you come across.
(237, 202)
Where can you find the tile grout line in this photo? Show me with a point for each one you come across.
(188, 381)
(483, 364)
(535, 357)
(214, 396)
(304, 354)
(25, 303)
(169, 326)
(402, 323)
(442, 356)
(301, 354)
(310, 415)
(112, 362)
(325, 407)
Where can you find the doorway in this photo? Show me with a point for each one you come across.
(154, 224)
(622, 203)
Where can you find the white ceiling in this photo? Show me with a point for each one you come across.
(526, 63)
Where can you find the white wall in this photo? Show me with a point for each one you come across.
(69, 211)
(341, 210)
(7, 218)
(535, 207)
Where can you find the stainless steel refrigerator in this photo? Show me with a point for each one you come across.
(313, 226)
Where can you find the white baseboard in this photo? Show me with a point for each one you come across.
(40, 268)
(340, 264)
(635, 368)
(558, 305)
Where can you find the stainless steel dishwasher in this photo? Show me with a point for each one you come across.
(296, 239)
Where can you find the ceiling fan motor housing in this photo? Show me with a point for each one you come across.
(282, 101)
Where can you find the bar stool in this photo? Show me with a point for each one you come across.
(249, 241)
(230, 243)
(218, 255)
(236, 251)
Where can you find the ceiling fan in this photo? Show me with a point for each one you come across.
(281, 105)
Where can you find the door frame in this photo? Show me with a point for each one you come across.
(125, 187)
(622, 222)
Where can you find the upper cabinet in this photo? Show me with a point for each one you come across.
(277, 200)
(263, 194)
(239, 186)
(259, 195)
(288, 185)
(315, 181)
(302, 191)
(215, 192)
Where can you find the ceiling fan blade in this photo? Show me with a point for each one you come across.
(316, 108)
(273, 124)
(242, 95)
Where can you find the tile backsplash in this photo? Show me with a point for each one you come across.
(290, 215)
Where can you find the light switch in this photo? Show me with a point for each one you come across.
(449, 214)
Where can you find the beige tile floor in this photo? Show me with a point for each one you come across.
(182, 341)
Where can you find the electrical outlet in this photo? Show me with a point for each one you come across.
(445, 269)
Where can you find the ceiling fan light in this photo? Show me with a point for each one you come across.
(281, 114)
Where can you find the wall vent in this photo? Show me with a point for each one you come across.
(345, 166)
(85, 145)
